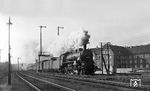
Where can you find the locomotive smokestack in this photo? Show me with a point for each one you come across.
(84, 46)
(85, 39)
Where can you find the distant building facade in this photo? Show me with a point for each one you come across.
(124, 58)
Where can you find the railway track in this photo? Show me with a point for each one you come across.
(42, 85)
(111, 80)
(107, 80)
(86, 82)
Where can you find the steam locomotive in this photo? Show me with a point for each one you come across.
(79, 61)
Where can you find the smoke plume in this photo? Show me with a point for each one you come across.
(74, 41)
(30, 50)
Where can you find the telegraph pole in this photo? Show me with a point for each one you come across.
(58, 29)
(18, 63)
(58, 35)
(40, 44)
(108, 58)
(0, 55)
(36, 64)
(101, 56)
(9, 57)
(103, 60)
(41, 38)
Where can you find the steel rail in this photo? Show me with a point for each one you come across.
(60, 86)
(30, 84)
(92, 81)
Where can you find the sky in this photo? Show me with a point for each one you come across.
(121, 22)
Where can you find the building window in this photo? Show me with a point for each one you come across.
(130, 57)
(147, 55)
(110, 57)
(147, 65)
(141, 60)
(130, 61)
(141, 66)
(128, 66)
(135, 66)
(141, 56)
(104, 52)
(135, 56)
(135, 61)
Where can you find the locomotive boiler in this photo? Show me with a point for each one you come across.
(78, 61)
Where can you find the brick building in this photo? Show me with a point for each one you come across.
(140, 58)
(122, 59)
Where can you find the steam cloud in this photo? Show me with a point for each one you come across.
(30, 51)
(73, 41)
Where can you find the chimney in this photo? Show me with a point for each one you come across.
(84, 47)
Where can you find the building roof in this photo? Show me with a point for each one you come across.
(95, 49)
(119, 50)
(139, 49)
(129, 50)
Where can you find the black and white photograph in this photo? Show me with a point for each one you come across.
(74, 45)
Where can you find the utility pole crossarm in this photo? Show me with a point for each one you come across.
(58, 29)
(42, 26)
(9, 22)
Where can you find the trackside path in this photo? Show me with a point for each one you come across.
(82, 84)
